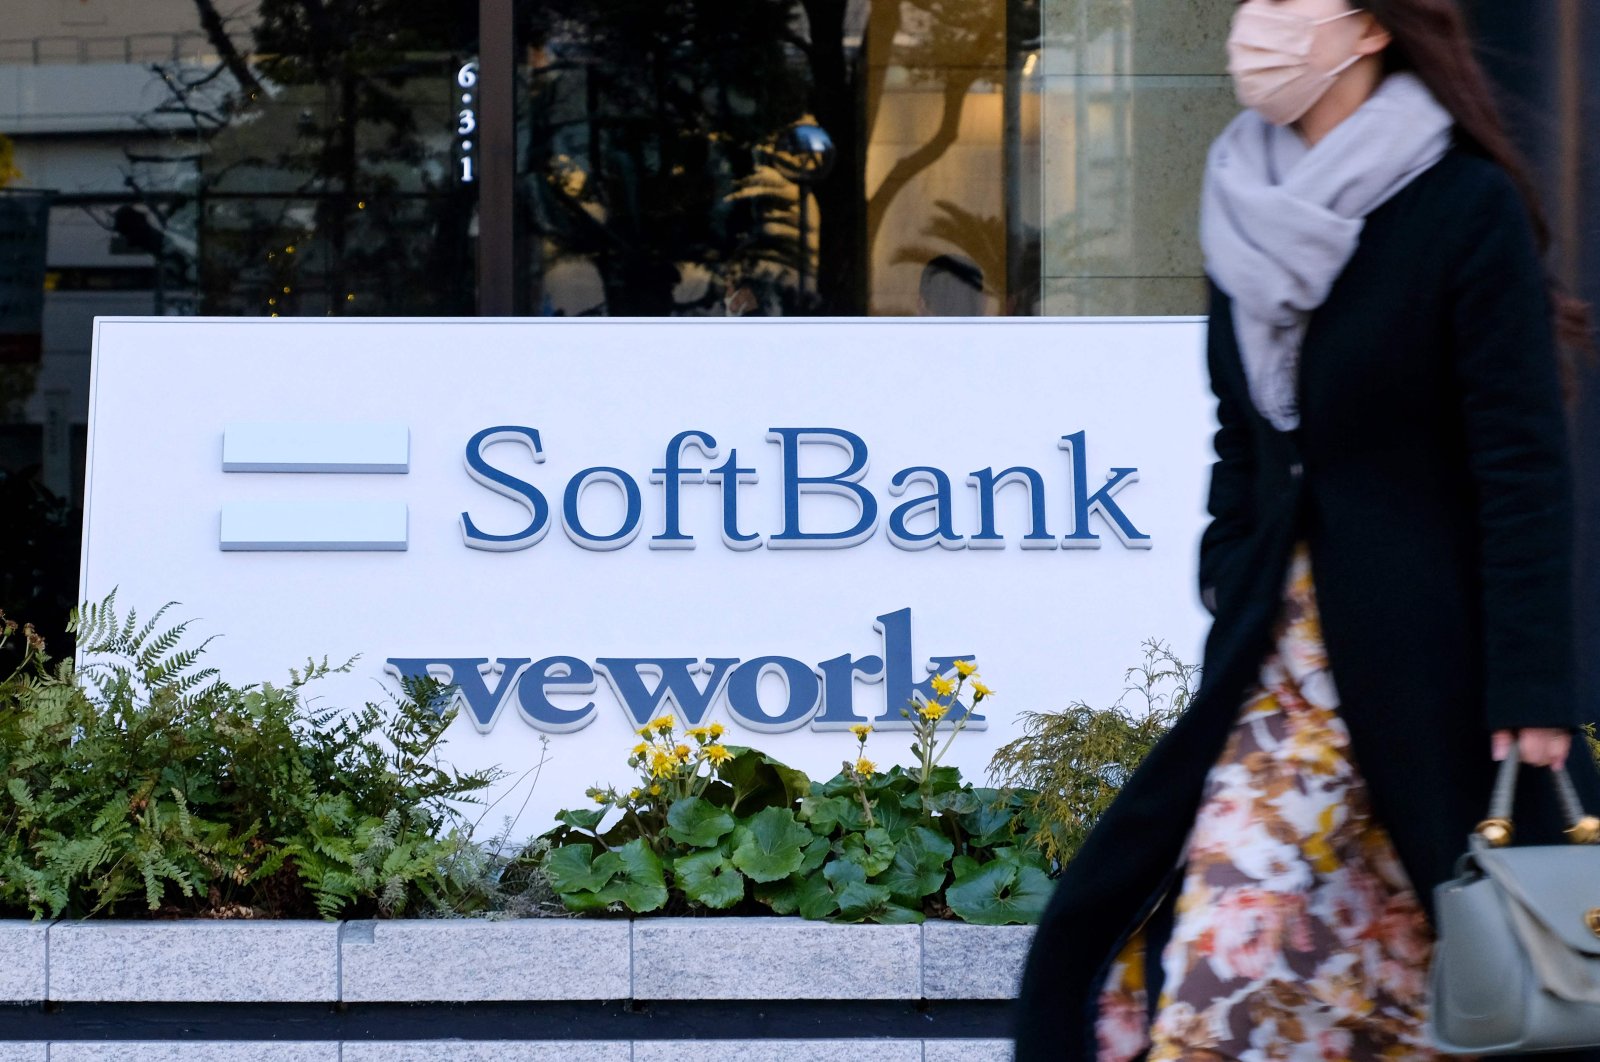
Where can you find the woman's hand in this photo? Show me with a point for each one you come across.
(1537, 746)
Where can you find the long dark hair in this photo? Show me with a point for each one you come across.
(1430, 38)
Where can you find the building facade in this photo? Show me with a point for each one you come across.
(429, 157)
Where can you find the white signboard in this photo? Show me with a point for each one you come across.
(786, 526)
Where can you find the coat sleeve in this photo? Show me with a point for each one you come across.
(1504, 366)
(1233, 473)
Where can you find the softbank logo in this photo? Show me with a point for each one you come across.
(935, 515)
(302, 524)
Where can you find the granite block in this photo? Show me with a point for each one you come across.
(24, 1051)
(774, 958)
(468, 959)
(961, 961)
(22, 960)
(777, 1050)
(487, 1051)
(194, 1051)
(967, 1050)
(195, 960)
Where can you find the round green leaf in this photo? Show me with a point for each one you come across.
(873, 849)
(694, 822)
(1001, 893)
(769, 847)
(642, 885)
(571, 869)
(921, 863)
(708, 878)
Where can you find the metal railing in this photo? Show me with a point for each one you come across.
(132, 48)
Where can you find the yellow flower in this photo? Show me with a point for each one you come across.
(700, 732)
(682, 752)
(980, 691)
(599, 798)
(662, 765)
(933, 710)
(643, 731)
(966, 667)
(861, 730)
(641, 748)
(655, 790)
(633, 794)
(718, 753)
(865, 767)
(662, 723)
(717, 730)
(942, 686)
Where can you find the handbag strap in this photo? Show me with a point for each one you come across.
(1496, 829)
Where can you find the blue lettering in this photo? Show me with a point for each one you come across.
(843, 484)
(533, 697)
(572, 521)
(669, 475)
(944, 531)
(987, 483)
(674, 684)
(728, 476)
(1100, 501)
(467, 675)
(839, 690)
(800, 688)
(507, 486)
(899, 687)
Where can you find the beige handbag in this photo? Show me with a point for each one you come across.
(1516, 966)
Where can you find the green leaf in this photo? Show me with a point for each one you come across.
(842, 872)
(694, 822)
(963, 866)
(642, 885)
(572, 868)
(816, 853)
(769, 847)
(954, 801)
(893, 914)
(582, 818)
(815, 899)
(921, 863)
(823, 813)
(859, 899)
(782, 896)
(873, 850)
(1001, 893)
(760, 781)
(708, 878)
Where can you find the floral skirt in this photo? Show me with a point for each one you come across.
(1297, 934)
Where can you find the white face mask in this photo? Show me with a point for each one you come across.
(1269, 58)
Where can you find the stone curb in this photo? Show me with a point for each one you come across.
(449, 960)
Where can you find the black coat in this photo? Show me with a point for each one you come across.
(1430, 477)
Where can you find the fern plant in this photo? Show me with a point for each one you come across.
(144, 782)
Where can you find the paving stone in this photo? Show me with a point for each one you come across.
(773, 958)
(961, 961)
(488, 1051)
(195, 960)
(777, 1050)
(967, 1050)
(22, 961)
(464, 959)
(194, 1051)
(24, 1051)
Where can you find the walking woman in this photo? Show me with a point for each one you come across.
(1388, 565)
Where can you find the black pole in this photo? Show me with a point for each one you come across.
(496, 156)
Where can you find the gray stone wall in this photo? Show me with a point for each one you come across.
(143, 974)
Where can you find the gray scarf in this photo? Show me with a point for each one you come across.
(1279, 221)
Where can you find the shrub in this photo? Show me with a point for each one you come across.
(1072, 763)
(711, 827)
(144, 783)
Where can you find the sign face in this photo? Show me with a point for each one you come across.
(788, 526)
